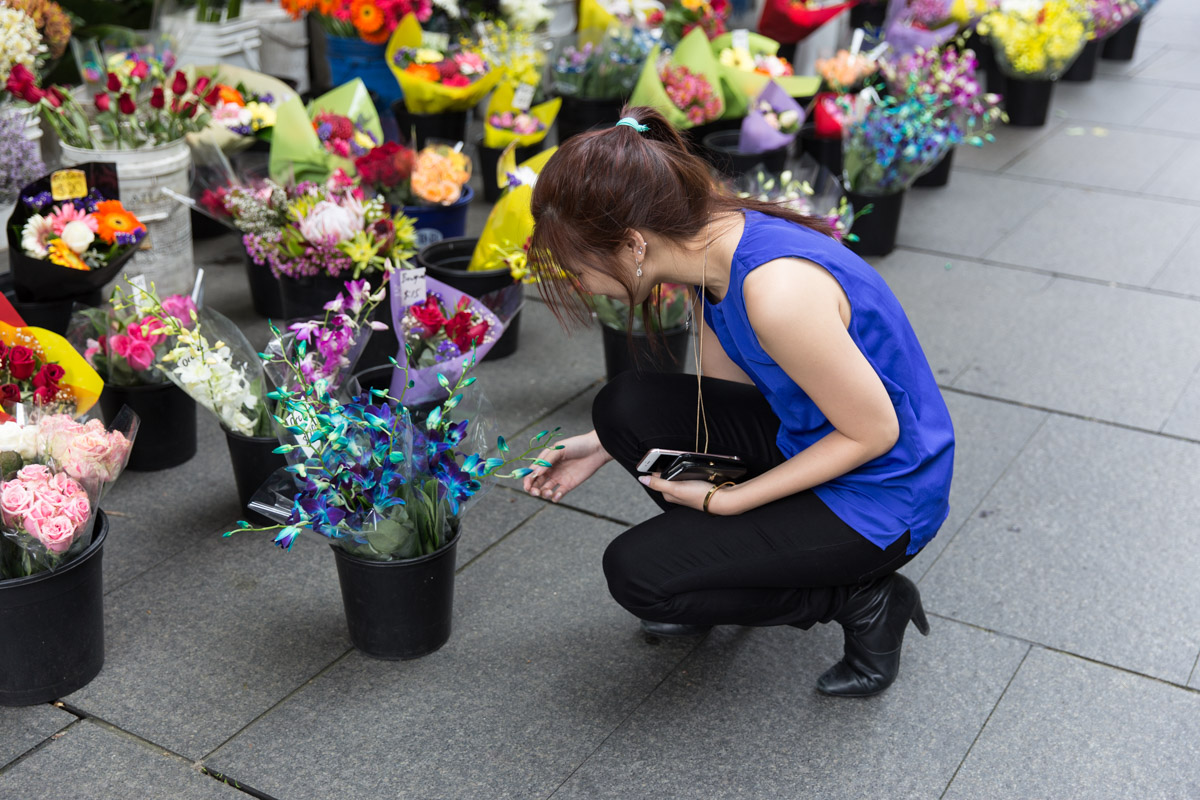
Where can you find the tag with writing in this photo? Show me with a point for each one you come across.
(741, 39)
(436, 41)
(412, 286)
(523, 96)
(68, 184)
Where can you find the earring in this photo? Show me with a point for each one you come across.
(638, 264)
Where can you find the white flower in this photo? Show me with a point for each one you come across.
(77, 236)
(20, 439)
(329, 220)
(35, 236)
(449, 6)
(525, 15)
(20, 42)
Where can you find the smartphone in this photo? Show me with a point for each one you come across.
(660, 460)
(700, 467)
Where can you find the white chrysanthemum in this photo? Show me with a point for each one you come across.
(36, 235)
(19, 41)
(525, 15)
(449, 6)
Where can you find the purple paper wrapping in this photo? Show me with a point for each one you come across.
(757, 135)
(425, 386)
(904, 37)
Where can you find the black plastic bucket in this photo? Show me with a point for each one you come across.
(579, 114)
(867, 14)
(265, 294)
(52, 628)
(940, 174)
(1083, 68)
(305, 298)
(398, 609)
(877, 229)
(53, 315)
(1027, 102)
(669, 355)
(447, 261)
(721, 150)
(167, 434)
(253, 462)
(449, 126)
(1122, 44)
(825, 151)
(489, 157)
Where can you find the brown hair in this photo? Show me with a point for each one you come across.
(604, 183)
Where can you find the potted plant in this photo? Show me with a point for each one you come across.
(893, 143)
(655, 340)
(1106, 17)
(596, 77)
(395, 533)
(52, 532)
(1034, 45)
(139, 123)
(125, 345)
(947, 81)
(63, 251)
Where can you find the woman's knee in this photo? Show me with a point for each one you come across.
(629, 567)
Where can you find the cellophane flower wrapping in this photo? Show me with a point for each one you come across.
(913, 25)
(1109, 16)
(50, 492)
(947, 81)
(810, 189)
(758, 135)
(1036, 40)
(123, 345)
(311, 144)
(893, 142)
(41, 367)
(746, 71)
(606, 68)
(244, 107)
(433, 81)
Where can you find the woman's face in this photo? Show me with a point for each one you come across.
(602, 282)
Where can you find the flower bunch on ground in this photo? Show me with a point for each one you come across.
(330, 343)
(1036, 39)
(692, 94)
(1108, 16)
(123, 344)
(434, 176)
(520, 123)
(946, 80)
(27, 377)
(683, 16)
(845, 70)
(83, 234)
(763, 64)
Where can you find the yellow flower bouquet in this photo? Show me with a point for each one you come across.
(510, 224)
(1036, 41)
(437, 80)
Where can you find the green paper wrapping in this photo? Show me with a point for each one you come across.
(295, 149)
(694, 53)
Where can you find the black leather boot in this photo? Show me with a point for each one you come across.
(674, 629)
(873, 620)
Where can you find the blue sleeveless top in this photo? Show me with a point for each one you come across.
(906, 489)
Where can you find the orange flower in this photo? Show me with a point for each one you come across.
(228, 94)
(295, 8)
(112, 218)
(426, 72)
(325, 7)
(65, 257)
(439, 175)
(368, 20)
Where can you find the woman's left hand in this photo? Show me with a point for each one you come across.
(686, 493)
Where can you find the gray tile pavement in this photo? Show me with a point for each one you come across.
(22, 729)
(1093, 155)
(1179, 177)
(1180, 273)
(1178, 111)
(1107, 101)
(1175, 66)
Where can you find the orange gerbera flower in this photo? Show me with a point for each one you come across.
(65, 257)
(295, 8)
(368, 20)
(228, 94)
(427, 72)
(325, 7)
(112, 218)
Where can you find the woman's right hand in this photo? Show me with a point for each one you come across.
(572, 461)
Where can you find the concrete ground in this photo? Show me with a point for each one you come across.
(1055, 287)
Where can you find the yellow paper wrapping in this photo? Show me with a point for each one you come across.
(218, 134)
(511, 222)
(692, 52)
(427, 97)
(78, 375)
(501, 101)
(297, 152)
(593, 22)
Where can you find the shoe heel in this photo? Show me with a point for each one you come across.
(919, 619)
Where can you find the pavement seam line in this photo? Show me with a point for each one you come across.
(40, 745)
(1178, 401)
(493, 545)
(982, 727)
(568, 506)
(1175, 253)
(1192, 674)
(1088, 187)
(234, 783)
(670, 673)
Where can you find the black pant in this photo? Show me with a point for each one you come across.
(790, 562)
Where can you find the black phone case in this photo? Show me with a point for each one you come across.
(708, 470)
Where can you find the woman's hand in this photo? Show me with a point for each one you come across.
(691, 494)
(572, 461)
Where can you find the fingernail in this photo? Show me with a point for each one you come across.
(644, 480)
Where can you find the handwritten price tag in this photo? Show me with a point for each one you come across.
(523, 96)
(412, 286)
(68, 184)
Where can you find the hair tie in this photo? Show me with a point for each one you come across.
(630, 122)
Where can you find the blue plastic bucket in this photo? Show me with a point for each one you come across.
(434, 223)
(351, 57)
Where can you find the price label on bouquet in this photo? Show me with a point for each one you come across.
(412, 286)
(436, 41)
(523, 96)
(68, 184)
(741, 39)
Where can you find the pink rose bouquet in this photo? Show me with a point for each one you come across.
(124, 345)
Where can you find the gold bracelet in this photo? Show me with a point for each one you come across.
(713, 491)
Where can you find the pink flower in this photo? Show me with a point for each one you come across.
(329, 221)
(79, 509)
(141, 330)
(39, 509)
(56, 532)
(140, 356)
(65, 485)
(89, 457)
(15, 500)
(179, 306)
(66, 213)
(34, 473)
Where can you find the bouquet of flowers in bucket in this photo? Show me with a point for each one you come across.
(795, 20)
(1036, 40)
(747, 63)
(244, 110)
(33, 33)
(681, 17)
(374, 479)
(596, 17)
(71, 246)
(893, 143)
(320, 229)
(436, 80)
(913, 25)
(668, 310)
(504, 242)
(207, 356)
(606, 69)
(946, 81)
(517, 54)
(685, 87)
(434, 176)
(41, 368)
(1109, 16)
(139, 106)
(846, 71)
(811, 190)
(122, 344)
(505, 123)
(773, 122)
(310, 144)
(371, 20)
(55, 470)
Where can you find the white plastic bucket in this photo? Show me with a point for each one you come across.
(284, 49)
(166, 254)
(234, 41)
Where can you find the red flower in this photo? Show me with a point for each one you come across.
(460, 330)
(103, 103)
(188, 110)
(49, 375)
(114, 82)
(213, 96)
(140, 70)
(180, 84)
(21, 83)
(21, 362)
(157, 98)
(446, 69)
(125, 103)
(457, 81)
(429, 314)
(44, 394)
(10, 393)
(54, 97)
(201, 84)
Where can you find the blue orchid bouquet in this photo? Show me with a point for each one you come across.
(372, 475)
(892, 142)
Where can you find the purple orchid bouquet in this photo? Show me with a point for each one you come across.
(1109, 16)
(946, 81)
(913, 25)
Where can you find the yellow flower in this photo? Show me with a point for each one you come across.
(65, 257)
(427, 55)
(363, 140)
(261, 116)
(361, 248)
(737, 58)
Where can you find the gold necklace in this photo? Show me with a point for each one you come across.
(698, 343)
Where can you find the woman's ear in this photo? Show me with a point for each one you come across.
(636, 244)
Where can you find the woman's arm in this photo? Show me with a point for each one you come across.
(800, 314)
